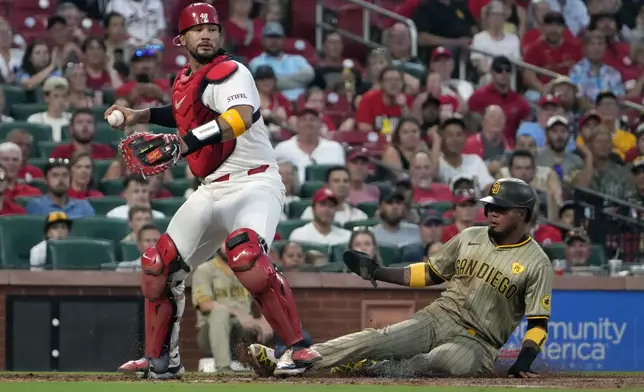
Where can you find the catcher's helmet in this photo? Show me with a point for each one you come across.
(197, 14)
(512, 193)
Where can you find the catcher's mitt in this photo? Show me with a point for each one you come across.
(361, 264)
(148, 153)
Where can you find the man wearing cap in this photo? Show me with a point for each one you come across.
(56, 91)
(293, 72)
(143, 89)
(11, 159)
(464, 213)
(57, 226)
(555, 154)
(591, 75)
(307, 147)
(578, 250)
(499, 92)
(563, 88)
(553, 52)
(338, 180)
(549, 105)
(431, 232)
(358, 165)
(322, 230)
(392, 230)
(7, 205)
(442, 62)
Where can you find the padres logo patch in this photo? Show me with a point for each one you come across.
(495, 188)
(517, 268)
(545, 302)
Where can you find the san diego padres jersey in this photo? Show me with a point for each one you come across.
(493, 287)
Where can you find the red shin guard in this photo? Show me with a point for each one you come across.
(159, 305)
(247, 258)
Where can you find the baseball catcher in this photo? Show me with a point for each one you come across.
(498, 274)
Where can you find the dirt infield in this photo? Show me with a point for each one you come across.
(564, 381)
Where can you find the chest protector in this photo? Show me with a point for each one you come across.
(190, 112)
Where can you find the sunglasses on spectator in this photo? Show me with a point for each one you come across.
(502, 69)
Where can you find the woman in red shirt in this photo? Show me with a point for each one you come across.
(274, 106)
(98, 66)
(244, 33)
(82, 170)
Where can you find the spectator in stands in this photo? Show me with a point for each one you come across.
(514, 17)
(308, 147)
(554, 52)
(377, 61)
(56, 90)
(57, 226)
(567, 213)
(82, 174)
(338, 181)
(567, 92)
(405, 143)
(617, 47)
(82, 128)
(543, 233)
(242, 32)
(607, 106)
(431, 232)
(333, 69)
(157, 186)
(12, 161)
(392, 230)
(499, 92)
(494, 39)
(448, 104)
(117, 48)
(421, 172)
(147, 236)
(10, 57)
(145, 20)
(538, 11)
(7, 205)
(591, 75)
(464, 201)
(288, 173)
(99, 68)
(275, 108)
(322, 230)
(444, 23)
(316, 98)
(3, 117)
(38, 65)
(272, 11)
(399, 47)
(57, 180)
(78, 97)
(490, 144)
(136, 193)
(604, 175)
(291, 256)
(25, 140)
(73, 18)
(549, 106)
(358, 165)
(380, 110)
(574, 13)
(453, 161)
(633, 75)
(578, 249)
(442, 62)
(636, 31)
(137, 218)
(554, 154)
(143, 89)
(61, 45)
(363, 240)
(587, 126)
(293, 72)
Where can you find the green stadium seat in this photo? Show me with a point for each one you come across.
(337, 251)
(112, 186)
(308, 189)
(441, 206)
(317, 172)
(168, 206)
(308, 246)
(159, 129)
(22, 111)
(297, 207)
(333, 267)
(40, 133)
(79, 253)
(162, 224)
(99, 112)
(40, 184)
(109, 96)
(369, 208)
(179, 170)
(13, 95)
(285, 228)
(40, 163)
(361, 223)
(103, 228)
(179, 185)
(100, 168)
(103, 205)
(24, 200)
(597, 253)
(129, 251)
(104, 133)
(18, 234)
(390, 254)
(46, 147)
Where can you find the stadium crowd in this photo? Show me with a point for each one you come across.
(379, 150)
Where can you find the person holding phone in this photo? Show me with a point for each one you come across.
(143, 89)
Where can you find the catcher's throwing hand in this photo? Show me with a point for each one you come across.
(132, 117)
(148, 154)
(362, 265)
(518, 371)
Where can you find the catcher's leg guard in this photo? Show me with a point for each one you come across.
(247, 258)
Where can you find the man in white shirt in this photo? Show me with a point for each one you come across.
(136, 193)
(56, 91)
(338, 180)
(147, 236)
(145, 19)
(57, 225)
(454, 162)
(322, 230)
(308, 147)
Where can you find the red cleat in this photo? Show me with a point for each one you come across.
(293, 362)
(306, 356)
(137, 365)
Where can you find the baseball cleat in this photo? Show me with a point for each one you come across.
(262, 359)
(173, 373)
(135, 366)
(352, 368)
(295, 362)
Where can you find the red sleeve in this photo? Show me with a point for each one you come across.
(125, 89)
(529, 37)
(410, 101)
(102, 151)
(476, 102)
(164, 84)
(286, 104)
(532, 55)
(448, 233)
(363, 113)
(525, 110)
(631, 155)
(555, 235)
(472, 146)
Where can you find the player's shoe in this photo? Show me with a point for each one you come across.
(173, 373)
(352, 368)
(296, 361)
(262, 359)
(144, 368)
(136, 366)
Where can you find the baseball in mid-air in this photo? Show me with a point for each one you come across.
(116, 118)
